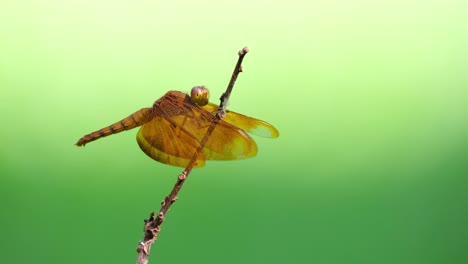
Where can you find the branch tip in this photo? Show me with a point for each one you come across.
(243, 51)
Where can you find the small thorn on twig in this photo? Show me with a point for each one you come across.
(151, 218)
(161, 216)
(174, 199)
(183, 176)
(142, 248)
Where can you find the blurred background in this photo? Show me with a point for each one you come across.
(370, 98)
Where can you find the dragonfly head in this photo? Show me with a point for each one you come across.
(200, 95)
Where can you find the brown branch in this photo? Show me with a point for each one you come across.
(153, 223)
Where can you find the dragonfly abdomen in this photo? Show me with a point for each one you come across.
(134, 120)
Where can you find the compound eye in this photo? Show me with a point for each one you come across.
(200, 95)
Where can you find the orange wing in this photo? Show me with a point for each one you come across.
(175, 132)
(246, 123)
(169, 144)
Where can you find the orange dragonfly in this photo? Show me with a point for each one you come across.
(172, 129)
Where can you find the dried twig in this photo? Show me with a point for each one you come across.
(153, 223)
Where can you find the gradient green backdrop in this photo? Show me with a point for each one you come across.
(370, 98)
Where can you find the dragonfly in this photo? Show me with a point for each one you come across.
(172, 129)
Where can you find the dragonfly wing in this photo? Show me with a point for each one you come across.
(168, 143)
(228, 142)
(251, 125)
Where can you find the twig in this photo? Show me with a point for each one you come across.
(153, 223)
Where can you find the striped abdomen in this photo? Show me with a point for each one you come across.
(134, 120)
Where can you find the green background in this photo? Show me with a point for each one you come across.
(370, 98)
